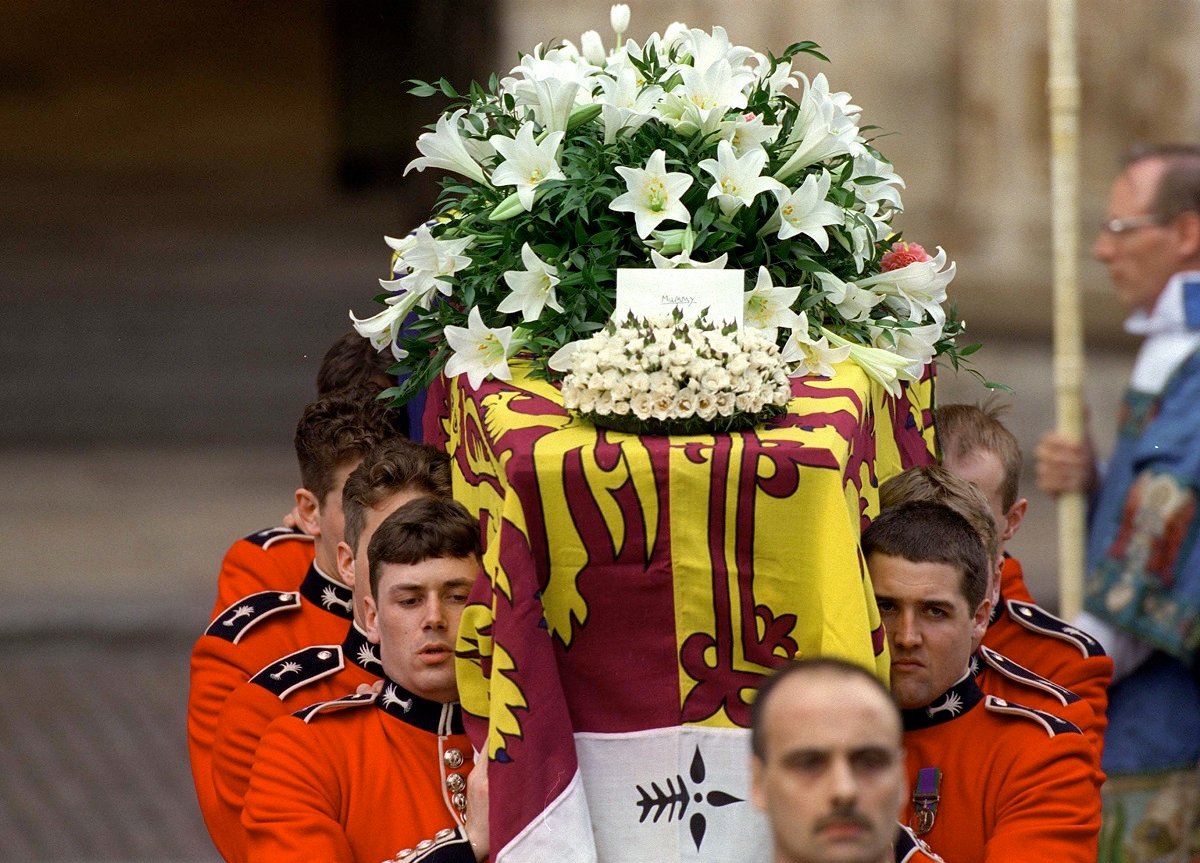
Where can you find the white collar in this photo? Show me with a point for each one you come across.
(1168, 314)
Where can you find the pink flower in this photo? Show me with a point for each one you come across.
(901, 255)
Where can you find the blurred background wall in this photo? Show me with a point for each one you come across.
(192, 196)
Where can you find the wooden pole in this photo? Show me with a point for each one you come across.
(1063, 89)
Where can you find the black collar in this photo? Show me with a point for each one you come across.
(361, 652)
(323, 592)
(952, 703)
(431, 716)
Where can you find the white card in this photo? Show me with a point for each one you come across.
(652, 292)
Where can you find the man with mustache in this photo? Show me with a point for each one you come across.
(828, 766)
(992, 779)
(377, 776)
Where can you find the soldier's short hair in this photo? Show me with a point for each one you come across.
(390, 468)
(353, 361)
(423, 529)
(964, 429)
(340, 428)
(820, 665)
(928, 532)
(934, 484)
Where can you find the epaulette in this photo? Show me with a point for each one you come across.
(448, 846)
(1053, 724)
(270, 536)
(908, 846)
(346, 701)
(287, 674)
(1037, 619)
(1019, 673)
(235, 621)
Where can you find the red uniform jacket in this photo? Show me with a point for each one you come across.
(998, 675)
(317, 673)
(364, 778)
(252, 632)
(1012, 580)
(272, 559)
(1031, 636)
(1017, 783)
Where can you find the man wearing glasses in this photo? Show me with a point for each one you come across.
(1142, 596)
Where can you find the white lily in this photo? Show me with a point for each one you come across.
(768, 307)
(700, 102)
(882, 196)
(527, 163)
(432, 262)
(684, 259)
(479, 351)
(857, 237)
(822, 129)
(738, 180)
(707, 49)
(653, 194)
(881, 366)
(555, 99)
(805, 211)
(625, 105)
(748, 132)
(913, 343)
(400, 246)
(445, 148)
(852, 302)
(918, 289)
(807, 355)
(532, 288)
(783, 78)
(382, 328)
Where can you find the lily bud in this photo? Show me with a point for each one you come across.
(507, 208)
(619, 18)
(592, 48)
(583, 114)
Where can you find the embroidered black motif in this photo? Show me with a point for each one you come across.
(674, 801)
(270, 536)
(1039, 620)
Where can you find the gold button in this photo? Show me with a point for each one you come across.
(460, 802)
(453, 759)
(455, 782)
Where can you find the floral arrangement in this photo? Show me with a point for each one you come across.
(665, 375)
(683, 150)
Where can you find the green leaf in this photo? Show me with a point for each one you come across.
(420, 88)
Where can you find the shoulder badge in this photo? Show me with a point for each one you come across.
(346, 701)
(235, 621)
(284, 676)
(1053, 724)
(448, 846)
(1019, 673)
(270, 536)
(1036, 618)
(909, 849)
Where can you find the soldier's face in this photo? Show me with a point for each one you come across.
(930, 628)
(414, 618)
(831, 779)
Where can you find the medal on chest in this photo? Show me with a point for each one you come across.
(925, 799)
